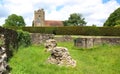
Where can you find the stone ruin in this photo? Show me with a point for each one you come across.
(64, 38)
(10, 41)
(38, 38)
(4, 67)
(92, 41)
(59, 55)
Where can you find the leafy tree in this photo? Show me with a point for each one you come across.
(14, 20)
(113, 19)
(117, 22)
(75, 19)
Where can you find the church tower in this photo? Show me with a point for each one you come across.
(39, 18)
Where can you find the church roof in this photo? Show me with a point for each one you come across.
(53, 23)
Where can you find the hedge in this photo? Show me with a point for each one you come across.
(76, 30)
(34, 29)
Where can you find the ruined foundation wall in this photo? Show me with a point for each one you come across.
(38, 38)
(89, 42)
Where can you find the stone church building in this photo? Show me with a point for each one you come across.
(39, 20)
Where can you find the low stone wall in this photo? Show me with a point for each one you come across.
(64, 38)
(81, 41)
(89, 42)
(38, 38)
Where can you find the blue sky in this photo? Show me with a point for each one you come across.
(118, 1)
(94, 12)
(1, 1)
(104, 1)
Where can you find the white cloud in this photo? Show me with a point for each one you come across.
(2, 20)
(95, 12)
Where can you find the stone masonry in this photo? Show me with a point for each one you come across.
(89, 42)
(4, 67)
(39, 18)
(59, 55)
(38, 38)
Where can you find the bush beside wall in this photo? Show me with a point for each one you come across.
(24, 39)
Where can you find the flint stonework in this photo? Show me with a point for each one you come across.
(59, 55)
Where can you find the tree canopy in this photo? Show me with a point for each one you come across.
(113, 19)
(14, 20)
(75, 19)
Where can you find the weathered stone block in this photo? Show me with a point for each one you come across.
(89, 42)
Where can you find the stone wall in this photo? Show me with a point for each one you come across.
(89, 42)
(38, 38)
(4, 67)
(10, 40)
(2, 40)
(64, 38)
(81, 41)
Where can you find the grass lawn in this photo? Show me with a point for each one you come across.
(100, 60)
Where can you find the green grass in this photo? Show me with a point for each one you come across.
(100, 60)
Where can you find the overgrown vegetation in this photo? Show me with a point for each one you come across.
(23, 38)
(101, 60)
(14, 40)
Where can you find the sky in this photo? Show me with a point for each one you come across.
(94, 11)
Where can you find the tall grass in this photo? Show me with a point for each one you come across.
(101, 60)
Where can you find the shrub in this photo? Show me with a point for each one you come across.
(23, 38)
